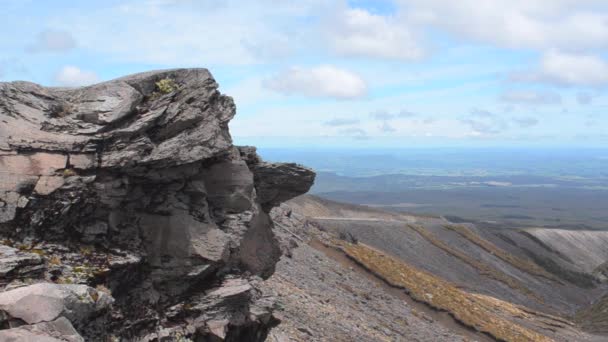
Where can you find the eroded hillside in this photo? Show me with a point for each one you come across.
(495, 282)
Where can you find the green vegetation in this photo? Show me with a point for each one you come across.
(68, 173)
(166, 86)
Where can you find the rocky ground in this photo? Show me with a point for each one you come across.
(326, 299)
(494, 277)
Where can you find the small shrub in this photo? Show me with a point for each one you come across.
(166, 86)
(68, 173)
(38, 251)
(348, 237)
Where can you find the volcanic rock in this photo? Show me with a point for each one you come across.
(134, 186)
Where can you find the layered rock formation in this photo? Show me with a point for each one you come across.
(128, 200)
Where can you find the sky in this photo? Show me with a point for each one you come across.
(324, 73)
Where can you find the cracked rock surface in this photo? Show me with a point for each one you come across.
(127, 211)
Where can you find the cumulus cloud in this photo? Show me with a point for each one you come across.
(341, 122)
(567, 69)
(52, 41)
(539, 24)
(356, 32)
(531, 97)
(574, 69)
(526, 122)
(71, 76)
(320, 81)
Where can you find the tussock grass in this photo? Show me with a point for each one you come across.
(480, 312)
(481, 267)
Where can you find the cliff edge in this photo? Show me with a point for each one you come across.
(126, 213)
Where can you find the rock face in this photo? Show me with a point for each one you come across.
(134, 186)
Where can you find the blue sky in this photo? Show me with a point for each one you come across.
(403, 73)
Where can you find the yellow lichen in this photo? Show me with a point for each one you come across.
(68, 173)
(166, 86)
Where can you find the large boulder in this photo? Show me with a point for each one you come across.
(140, 169)
(59, 330)
(45, 302)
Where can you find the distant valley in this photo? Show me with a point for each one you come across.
(495, 187)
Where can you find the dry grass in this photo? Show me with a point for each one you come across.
(519, 263)
(481, 267)
(477, 311)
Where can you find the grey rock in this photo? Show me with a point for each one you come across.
(138, 188)
(277, 182)
(59, 330)
(46, 302)
(16, 264)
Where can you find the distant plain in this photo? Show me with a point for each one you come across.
(511, 188)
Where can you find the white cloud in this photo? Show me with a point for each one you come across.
(320, 81)
(574, 69)
(356, 32)
(52, 41)
(538, 24)
(194, 33)
(71, 76)
(531, 97)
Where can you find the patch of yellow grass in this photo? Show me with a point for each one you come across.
(477, 311)
(481, 267)
(517, 262)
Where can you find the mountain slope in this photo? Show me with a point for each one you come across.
(504, 272)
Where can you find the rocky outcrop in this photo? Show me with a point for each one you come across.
(133, 187)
